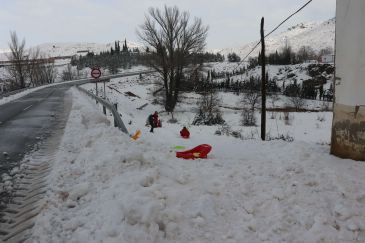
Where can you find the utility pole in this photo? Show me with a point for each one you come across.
(263, 83)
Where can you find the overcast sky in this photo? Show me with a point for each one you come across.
(231, 22)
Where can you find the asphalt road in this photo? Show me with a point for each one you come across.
(27, 121)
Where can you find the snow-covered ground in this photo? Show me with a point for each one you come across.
(104, 187)
(282, 74)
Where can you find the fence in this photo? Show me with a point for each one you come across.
(117, 120)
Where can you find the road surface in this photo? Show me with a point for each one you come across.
(28, 120)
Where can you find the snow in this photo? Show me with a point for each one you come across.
(72, 48)
(104, 187)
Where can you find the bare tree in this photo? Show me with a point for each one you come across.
(18, 58)
(49, 72)
(173, 40)
(33, 67)
(305, 53)
(69, 73)
(208, 110)
(251, 96)
(40, 69)
(298, 102)
(273, 99)
(325, 51)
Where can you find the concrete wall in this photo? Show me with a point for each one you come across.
(348, 128)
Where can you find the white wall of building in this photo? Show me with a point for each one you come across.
(350, 52)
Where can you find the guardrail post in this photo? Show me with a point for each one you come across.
(96, 91)
(116, 108)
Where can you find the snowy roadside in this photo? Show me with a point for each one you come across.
(5, 100)
(106, 188)
(10, 98)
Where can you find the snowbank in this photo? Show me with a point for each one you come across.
(106, 188)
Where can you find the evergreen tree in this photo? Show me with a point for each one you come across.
(125, 47)
(233, 57)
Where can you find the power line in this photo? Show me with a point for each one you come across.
(289, 18)
(302, 7)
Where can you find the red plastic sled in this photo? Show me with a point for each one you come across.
(199, 152)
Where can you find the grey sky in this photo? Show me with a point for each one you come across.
(231, 22)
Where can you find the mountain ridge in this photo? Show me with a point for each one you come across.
(318, 35)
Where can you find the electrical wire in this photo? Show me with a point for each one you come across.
(282, 22)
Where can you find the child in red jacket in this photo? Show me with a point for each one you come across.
(185, 133)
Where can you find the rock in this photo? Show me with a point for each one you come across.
(218, 132)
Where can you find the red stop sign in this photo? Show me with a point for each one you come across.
(95, 73)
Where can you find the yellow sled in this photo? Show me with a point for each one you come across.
(136, 135)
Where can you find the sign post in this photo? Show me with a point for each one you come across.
(96, 90)
(96, 73)
(104, 90)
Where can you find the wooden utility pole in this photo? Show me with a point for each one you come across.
(263, 83)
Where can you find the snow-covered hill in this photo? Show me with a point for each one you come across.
(3, 50)
(69, 49)
(73, 48)
(317, 35)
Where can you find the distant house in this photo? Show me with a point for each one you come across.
(313, 61)
(83, 51)
(328, 58)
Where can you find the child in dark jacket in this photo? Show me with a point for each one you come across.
(153, 120)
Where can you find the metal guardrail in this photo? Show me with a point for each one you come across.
(117, 120)
(118, 75)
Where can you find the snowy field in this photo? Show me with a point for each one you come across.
(104, 187)
(279, 73)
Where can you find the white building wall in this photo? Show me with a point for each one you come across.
(350, 52)
(348, 128)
